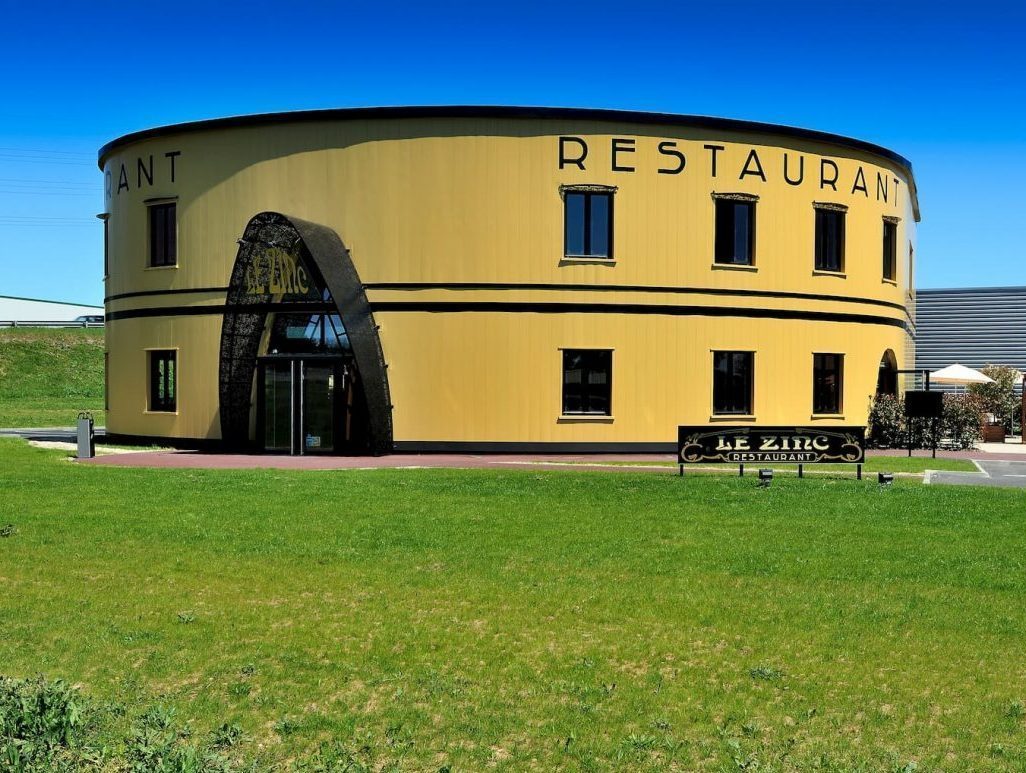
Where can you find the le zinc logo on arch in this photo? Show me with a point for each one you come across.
(760, 164)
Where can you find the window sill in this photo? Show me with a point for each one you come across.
(595, 418)
(821, 416)
(824, 272)
(159, 268)
(735, 267)
(572, 259)
(732, 417)
(892, 282)
(148, 412)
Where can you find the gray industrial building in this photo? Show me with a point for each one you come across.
(975, 326)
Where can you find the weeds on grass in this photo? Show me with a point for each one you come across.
(767, 673)
(49, 726)
(39, 721)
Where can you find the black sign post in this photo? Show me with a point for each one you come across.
(923, 404)
(754, 445)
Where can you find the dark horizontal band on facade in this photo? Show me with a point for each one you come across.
(220, 308)
(557, 287)
(178, 291)
(629, 289)
(528, 308)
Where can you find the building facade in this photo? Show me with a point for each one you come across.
(491, 279)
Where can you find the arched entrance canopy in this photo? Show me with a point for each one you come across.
(887, 379)
(288, 264)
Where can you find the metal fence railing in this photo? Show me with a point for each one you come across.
(47, 323)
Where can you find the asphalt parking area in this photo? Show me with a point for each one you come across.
(1002, 474)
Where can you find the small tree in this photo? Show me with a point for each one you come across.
(962, 420)
(998, 397)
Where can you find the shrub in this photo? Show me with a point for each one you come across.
(963, 417)
(886, 422)
(998, 397)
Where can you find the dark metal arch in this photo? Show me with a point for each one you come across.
(320, 250)
(887, 376)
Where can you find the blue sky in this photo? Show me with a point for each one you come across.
(944, 84)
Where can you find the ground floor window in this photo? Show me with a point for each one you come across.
(163, 376)
(733, 376)
(827, 382)
(587, 381)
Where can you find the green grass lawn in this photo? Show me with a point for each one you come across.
(48, 375)
(433, 619)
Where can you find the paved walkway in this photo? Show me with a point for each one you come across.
(1000, 464)
(1003, 474)
(194, 459)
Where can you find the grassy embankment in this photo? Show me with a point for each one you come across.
(528, 620)
(48, 376)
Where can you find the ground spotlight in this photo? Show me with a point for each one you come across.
(885, 478)
(765, 476)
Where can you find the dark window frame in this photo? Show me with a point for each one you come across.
(162, 233)
(105, 219)
(720, 402)
(722, 255)
(565, 355)
(588, 193)
(822, 370)
(823, 213)
(162, 400)
(890, 249)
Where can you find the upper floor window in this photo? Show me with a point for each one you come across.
(587, 382)
(163, 232)
(733, 379)
(890, 248)
(830, 237)
(735, 229)
(827, 383)
(163, 380)
(588, 221)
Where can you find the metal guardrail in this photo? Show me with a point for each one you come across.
(48, 323)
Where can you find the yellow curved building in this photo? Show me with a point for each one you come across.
(496, 278)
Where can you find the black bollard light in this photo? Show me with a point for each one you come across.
(765, 477)
(885, 478)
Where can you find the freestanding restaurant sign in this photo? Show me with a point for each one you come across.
(794, 445)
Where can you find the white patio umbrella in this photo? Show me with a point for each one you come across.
(959, 374)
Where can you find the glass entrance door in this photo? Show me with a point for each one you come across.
(278, 406)
(318, 409)
(301, 405)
